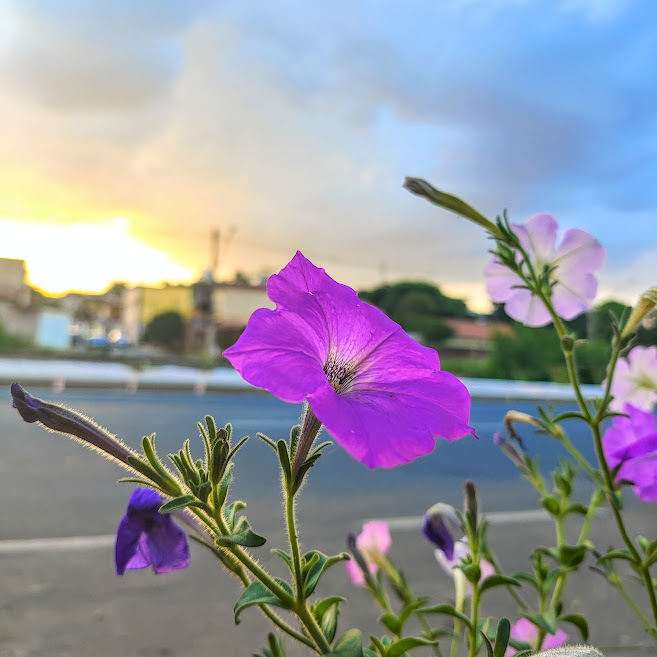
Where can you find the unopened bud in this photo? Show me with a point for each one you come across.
(443, 528)
(471, 503)
(63, 420)
(646, 303)
(454, 204)
(512, 450)
(518, 416)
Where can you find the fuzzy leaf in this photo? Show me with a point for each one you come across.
(257, 594)
(402, 646)
(579, 622)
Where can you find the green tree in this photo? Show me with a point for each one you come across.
(418, 307)
(166, 330)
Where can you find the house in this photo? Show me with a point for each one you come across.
(472, 337)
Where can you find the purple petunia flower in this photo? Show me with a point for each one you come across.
(572, 262)
(147, 537)
(631, 443)
(525, 630)
(379, 393)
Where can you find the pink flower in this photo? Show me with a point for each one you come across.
(631, 442)
(635, 380)
(461, 551)
(526, 631)
(372, 542)
(379, 393)
(572, 263)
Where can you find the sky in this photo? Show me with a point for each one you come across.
(132, 130)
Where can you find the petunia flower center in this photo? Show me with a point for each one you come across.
(340, 373)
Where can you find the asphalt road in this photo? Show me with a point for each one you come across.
(69, 602)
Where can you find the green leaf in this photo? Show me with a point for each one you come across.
(497, 580)
(622, 553)
(237, 447)
(243, 535)
(284, 459)
(546, 621)
(231, 510)
(551, 505)
(392, 623)
(268, 441)
(571, 556)
(580, 622)
(222, 491)
(502, 637)
(526, 577)
(182, 502)
(577, 508)
(448, 610)
(402, 646)
(321, 607)
(317, 569)
(285, 556)
(329, 622)
(350, 644)
(257, 594)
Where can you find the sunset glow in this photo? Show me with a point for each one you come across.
(85, 256)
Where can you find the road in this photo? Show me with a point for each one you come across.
(66, 601)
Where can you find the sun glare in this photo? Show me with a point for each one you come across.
(85, 256)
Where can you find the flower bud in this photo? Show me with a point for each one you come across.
(471, 503)
(454, 204)
(519, 416)
(646, 303)
(512, 450)
(443, 528)
(63, 420)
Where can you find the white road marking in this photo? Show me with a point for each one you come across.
(63, 544)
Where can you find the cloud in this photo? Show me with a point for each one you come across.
(297, 124)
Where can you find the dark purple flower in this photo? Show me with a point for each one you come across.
(378, 392)
(631, 443)
(147, 537)
(443, 528)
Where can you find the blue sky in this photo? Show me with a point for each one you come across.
(297, 122)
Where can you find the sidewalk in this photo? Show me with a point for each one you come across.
(60, 374)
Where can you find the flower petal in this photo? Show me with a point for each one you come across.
(374, 537)
(277, 352)
(579, 251)
(501, 282)
(167, 546)
(126, 550)
(395, 408)
(527, 308)
(539, 233)
(331, 310)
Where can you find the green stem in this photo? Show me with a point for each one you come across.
(511, 589)
(300, 605)
(636, 557)
(616, 581)
(474, 620)
(574, 452)
(294, 546)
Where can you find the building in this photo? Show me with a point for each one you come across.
(472, 338)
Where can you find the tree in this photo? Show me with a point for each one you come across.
(417, 307)
(166, 330)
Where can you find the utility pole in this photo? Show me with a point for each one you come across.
(211, 350)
